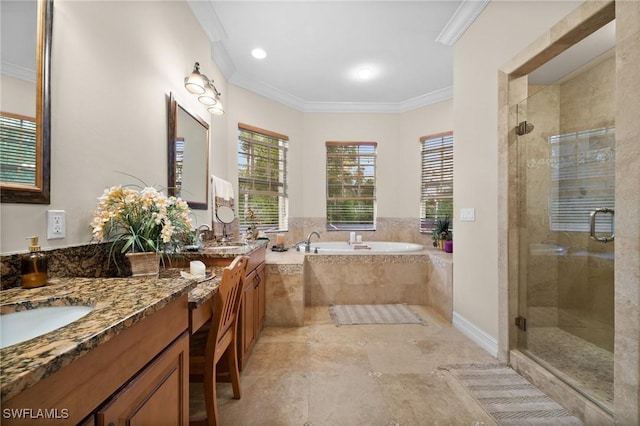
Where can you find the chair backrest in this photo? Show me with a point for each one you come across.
(227, 299)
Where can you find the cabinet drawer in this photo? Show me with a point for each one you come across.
(157, 395)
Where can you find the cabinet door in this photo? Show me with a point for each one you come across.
(159, 395)
(248, 315)
(260, 299)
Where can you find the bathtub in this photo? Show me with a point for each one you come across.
(391, 272)
(342, 247)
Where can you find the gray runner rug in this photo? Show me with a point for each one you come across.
(508, 397)
(373, 314)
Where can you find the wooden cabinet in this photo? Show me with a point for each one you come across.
(252, 312)
(157, 395)
(129, 376)
(252, 304)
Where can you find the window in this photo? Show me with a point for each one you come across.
(436, 195)
(582, 179)
(351, 185)
(17, 149)
(262, 179)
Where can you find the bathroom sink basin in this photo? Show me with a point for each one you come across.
(21, 326)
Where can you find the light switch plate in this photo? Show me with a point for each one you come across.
(56, 224)
(468, 214)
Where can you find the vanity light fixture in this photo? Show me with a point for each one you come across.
(201, 85)
(209, 96)
(195, 82)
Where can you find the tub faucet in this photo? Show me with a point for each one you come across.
(307, 244)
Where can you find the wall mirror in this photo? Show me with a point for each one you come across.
(25, 116)
(188, 156)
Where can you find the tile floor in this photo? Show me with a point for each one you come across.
(583, 364)
(320, 374)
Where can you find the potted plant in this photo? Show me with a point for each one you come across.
(441, 232)
(141, 223)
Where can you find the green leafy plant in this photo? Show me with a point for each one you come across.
(143, 220)
(441, 230)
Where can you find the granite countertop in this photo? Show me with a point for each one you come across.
(225, 250)
(119, 304)
(205, 288)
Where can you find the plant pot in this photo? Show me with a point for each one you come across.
(448, 246)
(144, 264)
(441, 244)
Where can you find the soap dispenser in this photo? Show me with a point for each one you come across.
(34, 266)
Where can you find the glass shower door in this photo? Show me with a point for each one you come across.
(566, 181)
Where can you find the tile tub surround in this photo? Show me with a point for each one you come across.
(285, 289)
(366, 279)
(120, 304)
(296, 280)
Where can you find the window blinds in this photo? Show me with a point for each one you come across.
(582, 179)
(262, 178)
(17, 149)
(436, 195)
(351, 185)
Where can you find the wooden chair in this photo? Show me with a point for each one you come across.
(220, 337)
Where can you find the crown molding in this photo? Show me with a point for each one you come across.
(209, 21)
(462, 18)
(222, 59)
(296, 103)
(18, 71)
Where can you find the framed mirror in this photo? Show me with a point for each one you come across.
(188, 156)
(25, 118)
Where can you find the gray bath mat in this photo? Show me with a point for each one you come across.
(373, 314)
(508, 397)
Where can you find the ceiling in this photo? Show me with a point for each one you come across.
(315, 50)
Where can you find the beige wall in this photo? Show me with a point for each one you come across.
(398, 154)
(113, 65)
(499, 33)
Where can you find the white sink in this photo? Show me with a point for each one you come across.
(21, 326)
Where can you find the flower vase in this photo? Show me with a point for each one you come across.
(441, 244)
(144, 264)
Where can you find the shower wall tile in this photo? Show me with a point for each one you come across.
(627, 264)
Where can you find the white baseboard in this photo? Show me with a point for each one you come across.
(476, 334)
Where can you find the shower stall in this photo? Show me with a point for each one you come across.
(566, 205)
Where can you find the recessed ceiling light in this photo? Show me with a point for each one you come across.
(364, 74)
(258, 53)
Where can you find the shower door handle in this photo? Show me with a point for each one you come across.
(592, 225)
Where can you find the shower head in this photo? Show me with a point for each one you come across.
(524, 128)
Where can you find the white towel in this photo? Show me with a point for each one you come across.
(221, 188)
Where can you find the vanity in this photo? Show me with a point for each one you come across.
(125, 360)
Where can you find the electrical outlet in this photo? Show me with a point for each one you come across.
(56, 226)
